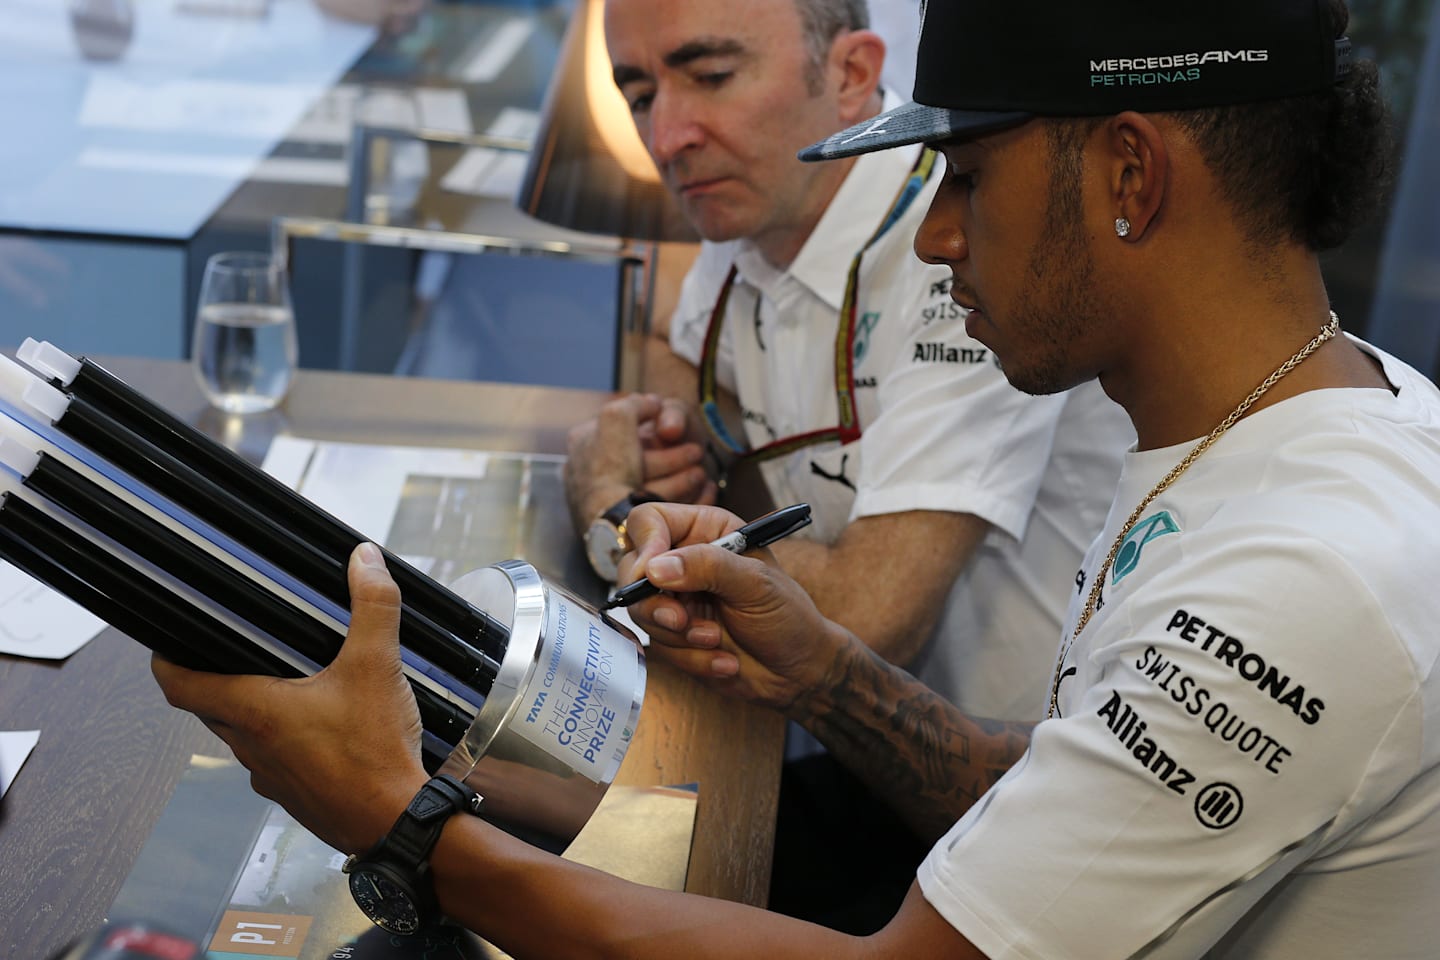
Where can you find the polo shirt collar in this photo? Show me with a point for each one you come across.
(854, 212)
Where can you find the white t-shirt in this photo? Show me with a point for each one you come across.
(1247, 755)
(942, 428)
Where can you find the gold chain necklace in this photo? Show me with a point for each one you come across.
(1330, 329)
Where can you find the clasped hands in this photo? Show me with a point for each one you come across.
(639, 441)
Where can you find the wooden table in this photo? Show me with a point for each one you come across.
(111, 749)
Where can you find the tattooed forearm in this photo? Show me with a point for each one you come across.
(914, 748)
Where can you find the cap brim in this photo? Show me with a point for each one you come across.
(911, 123)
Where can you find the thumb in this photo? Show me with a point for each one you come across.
(740, 582)
(672, 423)
(623, 416)
(374, 609)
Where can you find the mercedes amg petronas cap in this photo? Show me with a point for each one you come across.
(984, 65)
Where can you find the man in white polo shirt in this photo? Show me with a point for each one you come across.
(962, 501)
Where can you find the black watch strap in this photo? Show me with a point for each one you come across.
(619, 510)
(417, 830)
(605, 540)
(391, 882)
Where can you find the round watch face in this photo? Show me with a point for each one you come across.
(602, 546)
(387, 903)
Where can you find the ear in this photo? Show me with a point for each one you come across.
(856, 57)
(1138, 170)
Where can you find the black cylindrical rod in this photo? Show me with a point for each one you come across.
(96, 385)
(119, 614)
(150, 611)
(276, 542)
(139, 606)
(184, 561)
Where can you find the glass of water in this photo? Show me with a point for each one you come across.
(397, 166)
(244, 352)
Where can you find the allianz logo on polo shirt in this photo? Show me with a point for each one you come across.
(1217, 806)
(937, 351)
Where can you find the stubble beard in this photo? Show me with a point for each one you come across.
(1061, 299)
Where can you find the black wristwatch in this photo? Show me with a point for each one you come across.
(391, 882)
(605, 541)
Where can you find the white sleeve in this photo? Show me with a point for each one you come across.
(1230, 725)
(952, 434)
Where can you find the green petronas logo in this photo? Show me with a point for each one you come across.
(1127, 558)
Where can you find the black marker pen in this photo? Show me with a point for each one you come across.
(754, 535)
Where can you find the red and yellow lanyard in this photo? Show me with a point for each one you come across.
(848, 429)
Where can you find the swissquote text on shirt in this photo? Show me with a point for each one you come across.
(942, 428)
(1248, 748)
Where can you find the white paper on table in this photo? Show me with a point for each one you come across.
(332, 117)
(224, 8)
(329, 118)
(192, 106)
(361, 484)
(443, 108)
(515, 122)
(168, 163)
(487, 62)
(35, 621)
(329, 123)
(312, 170)
(15, 747)
(483, 172)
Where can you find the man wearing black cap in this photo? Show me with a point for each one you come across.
(1241, 752)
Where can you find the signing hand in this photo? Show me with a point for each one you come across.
(738, 623)
(340, 750)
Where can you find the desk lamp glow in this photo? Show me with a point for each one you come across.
(589, 171)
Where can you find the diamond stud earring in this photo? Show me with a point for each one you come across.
(1122, 227)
